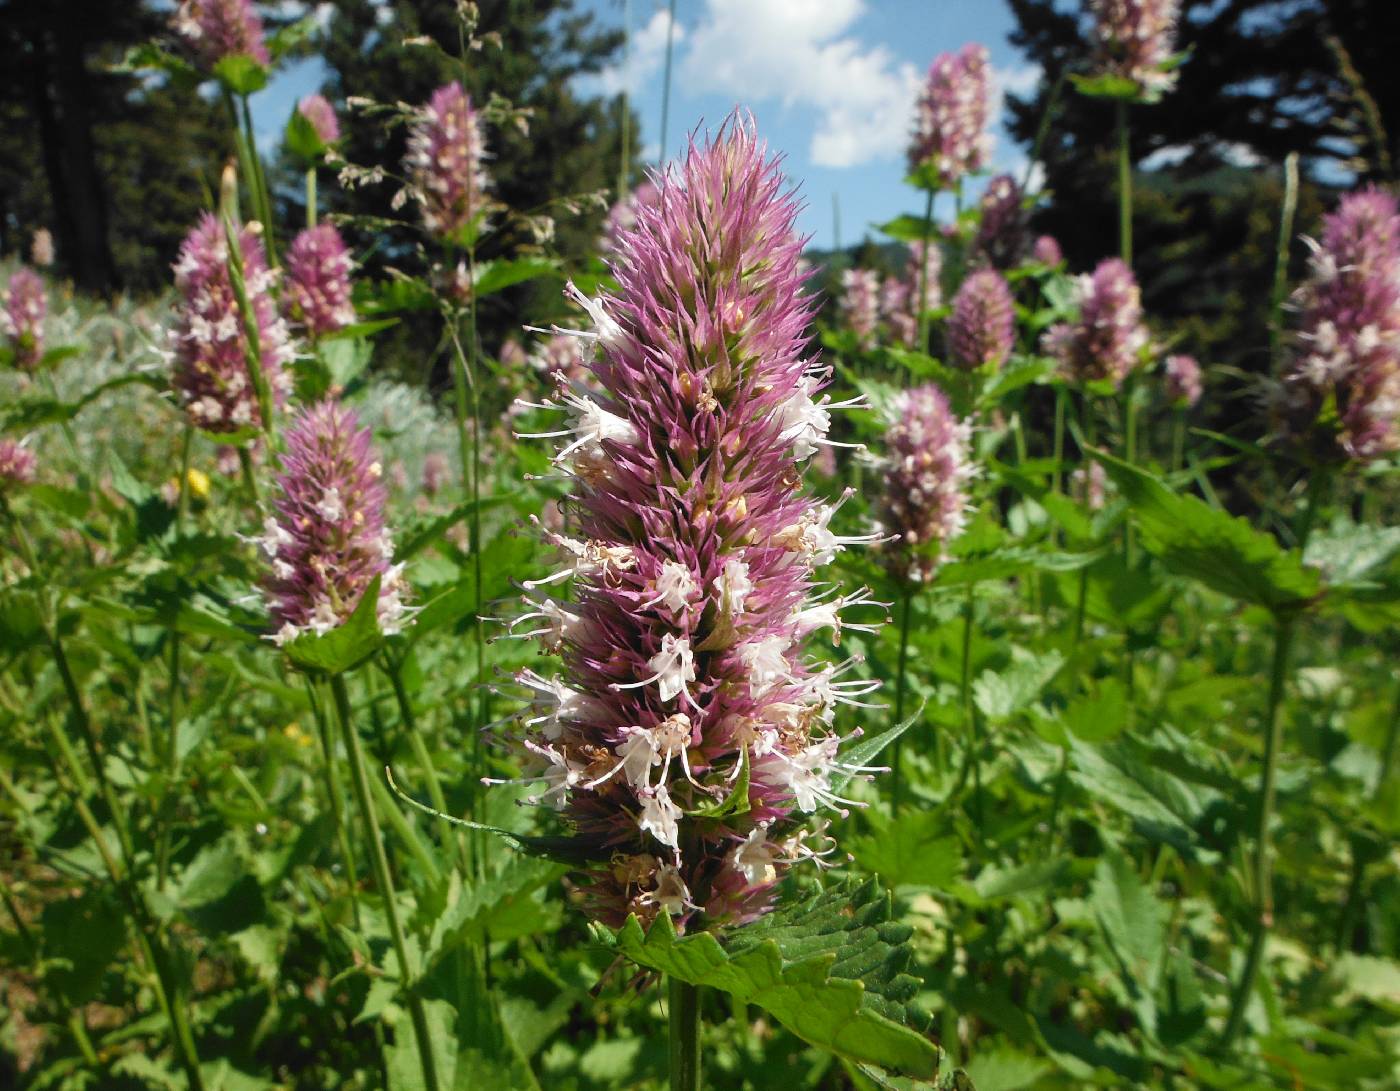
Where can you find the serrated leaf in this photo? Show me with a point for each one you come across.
(1221, 551)
(916, 850)
(865, 750)
(830, 969)
(1353, 557)
(301, 138)
(241, 74)
(347, 645)
(1130, 918)
(999, 695)
(495, 276)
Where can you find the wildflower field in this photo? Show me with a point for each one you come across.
(458, 640)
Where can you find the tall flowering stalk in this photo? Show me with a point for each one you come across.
(219, 348)
(1182, 380)
(326, 541)
(1046, 250)
(445, 160)
(1001, 233)
(1105, 343)
(860, 304)
(950, 126)
(1340, 391)
(684, 679)
(924, 507)
(216, 29)
(982, 327)
(25, 306)
(317, 293)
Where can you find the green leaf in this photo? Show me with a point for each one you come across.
(830, 969)
(916, 850)
(211, 874)
(344, 647)
(736, 802)
(495, 276)
(241, 74)
(1108, 86)
(1353, 557)
(302, 139)
(290, 36)
(1223, 552)
(1130, 918)
(909, 227)
(1000, 695)
(866, 749)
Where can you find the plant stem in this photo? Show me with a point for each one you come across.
(1178, 438)
(624, 163)
(1125, 187)
(922, 300)
(379, 860)
(260, 183)
(900, 682)
(1285, 239)
(311, 197)
(245, 461)
(409, 720)
(347, 851)
(1043, 129)
(1263, 859)
(666, 78)
(683, 1007)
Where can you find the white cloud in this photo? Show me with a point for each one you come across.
(646, 54)
(799, 52)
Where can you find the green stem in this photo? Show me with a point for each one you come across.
(624, 163)
(922, 298)
(311, 197)
(965, 694)
(1392, 743)
(245, 461)
(1125, 187)
(379, 859)
(1043, 129)
(347, 851)
(683, 1009)
(260, 183)
(1263, 857)
(1178, 438)
(900, 683)
(666, 78)
(409, 720)
(1285, 239)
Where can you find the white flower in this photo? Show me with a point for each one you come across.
(330, 507)
(659, 816)
(673, 587)
(673, 667)
(766, 662)
(733, 587)
(753, 858)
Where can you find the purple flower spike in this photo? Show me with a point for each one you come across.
(445, 153)
(1107, 340)
(318, 281)
(1047, 251)
(860, 303)
(215, 29)
(693, 569)
(25, 307)
(210, 338)
(17, 465)
(982, 327)
(927, 469)
(950, 130)
(1133, 39)
(1183, 380)
(326, 540)
(317, 110)
(1090, 485)
(1001, 234)
(1348, 350)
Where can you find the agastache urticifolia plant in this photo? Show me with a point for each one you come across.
(982, 326)
(321, 114)
(325, 540)
(1181, 380)
(1339, 397)
(950, 125)
(215, 342)
(860, 304)
(1001, 233)
(18, 466)
(446, 149)
(216, 29)
(1105, 343)
(317, 291)
(25, 305)
(1133, 40)
(684, 669)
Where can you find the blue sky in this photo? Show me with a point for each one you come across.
(830, 82)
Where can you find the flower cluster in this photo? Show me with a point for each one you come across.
(317, 110)
(1001, 233)
(1089, 484)
(215, 29)
(928, 468)
(1109, 336)
(688, 727)
(982, 327)
(1183, 380)
(860, 304)
(318, 281)
(1133, 39)
(950, 130)
(1046, 250)
(446, 151)
(1343, 382)
(17, 464)
(22, 317)
(41, 248)
(210, 337)
(326, 541)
